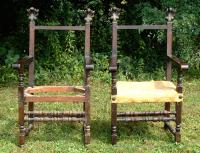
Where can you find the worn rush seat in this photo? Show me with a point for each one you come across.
(157, 92)
(28, 96)
(154, 91)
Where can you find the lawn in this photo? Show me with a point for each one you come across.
(133, 137)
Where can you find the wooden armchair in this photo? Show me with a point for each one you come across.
(28, 96)
(148, 91)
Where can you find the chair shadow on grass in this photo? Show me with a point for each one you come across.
(72, 132)
(55, 131)
(129, 131)
(143, 131)
(101, 130)
(48, 132)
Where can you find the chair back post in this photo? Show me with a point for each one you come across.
(32, 15)
(169, 17)
(114, 16)
(89, 15)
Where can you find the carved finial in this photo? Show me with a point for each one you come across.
(89, 15)
(115, 12)
(32, 13)
(170, 14)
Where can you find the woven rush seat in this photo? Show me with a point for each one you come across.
(147, 91)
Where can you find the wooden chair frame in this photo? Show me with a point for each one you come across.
(26, 95)
(165, 115)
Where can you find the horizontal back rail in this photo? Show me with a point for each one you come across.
(142, 27)
(80, 28)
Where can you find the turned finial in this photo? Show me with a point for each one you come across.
(170, 14)
(32, 13)
(89, 15)
(115, 12)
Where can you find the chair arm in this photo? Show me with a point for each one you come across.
(113, 68)
(27, 60)
(181, 64)
(16, 66)
(182, 67)
(89, 67)
(88, 61)
(22, 61)
(113, 65)
(19, 65)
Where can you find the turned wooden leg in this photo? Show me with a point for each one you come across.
(167, 108)
(30, 123)
(87, 117)
(21, 124)
(114, 123)
(86, 125)
(22, 131)
(83, 129)
(31, 108)
(86, 134)
(178, 121)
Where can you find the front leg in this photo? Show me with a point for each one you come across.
(114, 123)
(86, 126)
(21, 107)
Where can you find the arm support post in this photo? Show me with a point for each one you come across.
(181, 67)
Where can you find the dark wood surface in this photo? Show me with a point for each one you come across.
(29, 95)
(178, 62)
(165, 115)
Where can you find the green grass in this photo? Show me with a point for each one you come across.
(133, 137)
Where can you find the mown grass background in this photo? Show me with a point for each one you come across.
(133, 137)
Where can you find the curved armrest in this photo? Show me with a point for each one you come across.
(22, 61)
(114, 64)
(182, 67)
(16, 66)
(113, 68)
(88, 61)
(181, 64)
(89, 67)
(27, 60)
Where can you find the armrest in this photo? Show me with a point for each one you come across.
(181, 64)
(113, 65)
(88, 61)
(22, 61)
(16, 66)
(27, 60)
(113, 68)
(182, 67)
(89, 67)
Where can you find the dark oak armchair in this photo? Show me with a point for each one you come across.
(124, 92)
(30, 95)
